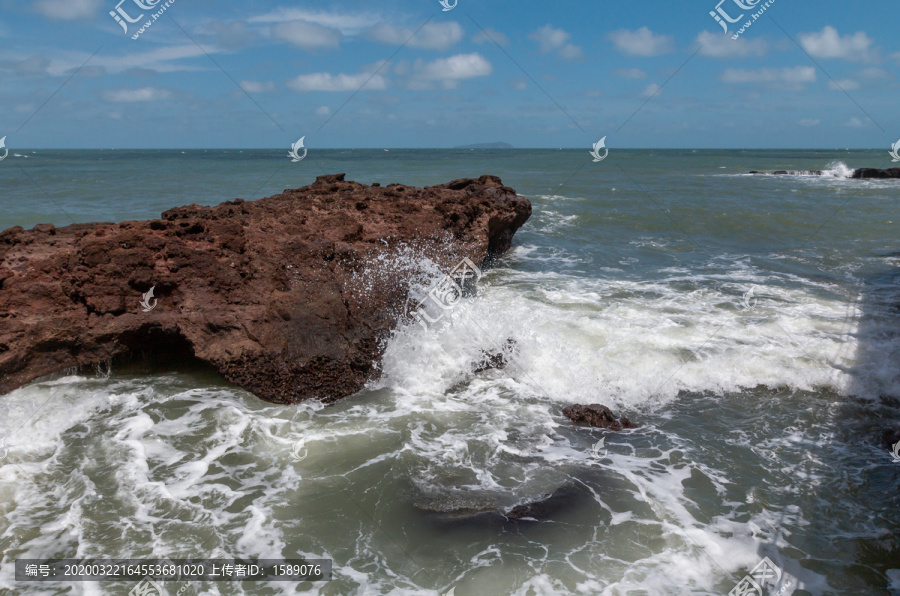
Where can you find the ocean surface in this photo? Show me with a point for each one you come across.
(749, 324)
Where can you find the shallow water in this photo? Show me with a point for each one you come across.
(749, 324)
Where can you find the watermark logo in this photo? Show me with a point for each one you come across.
(721, 16)
(765, 573)
(895, 454)
(145, 303)
(124, 18)
(748, 300)
(894, 152)
(295, 452)
(6, 151)
(447, 292)
(601, 144)
(146, 587)
(295, 157)
(724, 18)
(597, 447)
(447, 6)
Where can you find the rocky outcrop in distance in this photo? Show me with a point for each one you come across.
(857, 173)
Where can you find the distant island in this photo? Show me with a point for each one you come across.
(486, 146)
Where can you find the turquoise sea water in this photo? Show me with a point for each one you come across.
(749, 324)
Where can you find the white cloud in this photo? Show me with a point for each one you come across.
(458, 67)
(489, 35)
(630, 73)
(158, 60)
(829, 44)
(519, 84)
(324, 81)
(323, 110)
(307, 35)
(28, 66)
(257, 87)
(641, 42)
(433, 36)
(551, 39)
(448, 71)
(721, 46)
(402, 67)
(347, 24)
(137, 95)
(67, 9)
(91, 71)
(855, 123)
(570, 52)
(843, 85)
(651, 90)
(873, 72)
(232, 35)
(809, 122)
(792, 76)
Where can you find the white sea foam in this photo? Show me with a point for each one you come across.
(626, 342)
(838, 169)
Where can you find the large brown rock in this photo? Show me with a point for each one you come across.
(290, 297)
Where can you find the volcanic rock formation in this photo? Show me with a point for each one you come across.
(290, 297)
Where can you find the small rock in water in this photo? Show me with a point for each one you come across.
(498, 359)
(597, 416)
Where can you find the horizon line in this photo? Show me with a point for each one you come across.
(444, 148)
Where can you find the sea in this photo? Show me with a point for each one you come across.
(748, 324)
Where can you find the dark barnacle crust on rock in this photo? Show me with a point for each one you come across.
(268, 292)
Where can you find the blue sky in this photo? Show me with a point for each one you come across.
(534, 74)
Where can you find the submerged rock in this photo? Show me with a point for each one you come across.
(597, 416)
(562, 499)
(290, 297)
(497, 359)
(450, 512)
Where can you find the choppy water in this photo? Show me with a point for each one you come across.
(629, 286)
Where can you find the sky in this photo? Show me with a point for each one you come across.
(261, 74)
